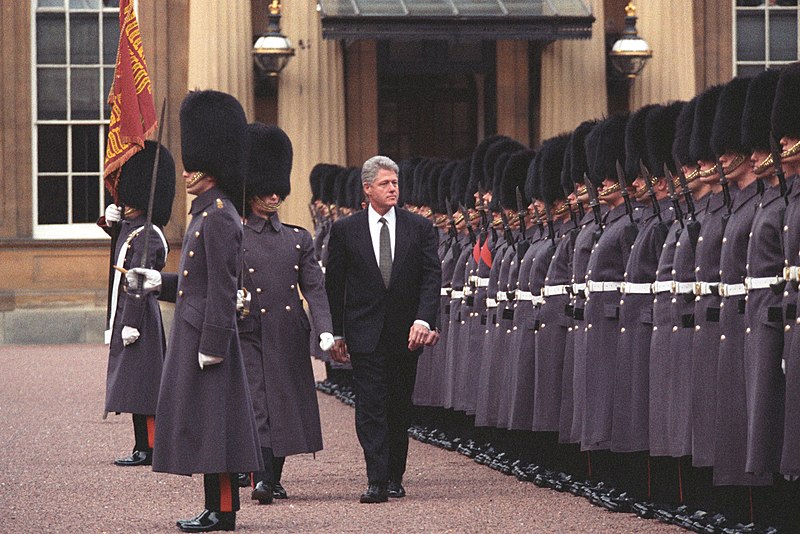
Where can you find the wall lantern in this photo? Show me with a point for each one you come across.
(272, 50)
(630, 53)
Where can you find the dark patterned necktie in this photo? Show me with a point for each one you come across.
(385, 252)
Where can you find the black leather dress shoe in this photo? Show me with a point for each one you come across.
(375, 493)
(396, 490)
(262, 493)
(209, 521)
(136, 458)
(243, 479)
(278, 492)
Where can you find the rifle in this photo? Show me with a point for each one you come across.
(673, 196)
(509, 237)
(623, 189)
(470, 231)
(551, 234)
(650, 191)
(776, 161)
(687, 194)
(522, 211)
(723, 180)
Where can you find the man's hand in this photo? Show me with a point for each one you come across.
(129, 335)
(339, 351)
(417, 336)
(151, 279)
(113, 214)
(326, 341)
(432, 339)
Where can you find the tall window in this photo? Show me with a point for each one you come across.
(74, 52)
(765, 34)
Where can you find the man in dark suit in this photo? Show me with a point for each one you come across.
(383, 279)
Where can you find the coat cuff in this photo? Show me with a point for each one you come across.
(215, 340)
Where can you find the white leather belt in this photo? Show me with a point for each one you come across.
(481, 282)
(602, 287)
(550, 291)
(501, 296)
(457, 295)
(537, 299)
(682, 288)
(467, 291)
(445, 291)
(791, 274)
(732, 290)
(763, 282)
(577, 288)
(704, 288)
(491, 303)
(662, 286)
(524, 295)
(472, 279)
(633, 288)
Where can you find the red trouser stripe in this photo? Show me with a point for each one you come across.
(151, 430)
(225, 497)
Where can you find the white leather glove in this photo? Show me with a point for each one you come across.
(207, 361)
(113, 214)
(241, 299)
(326, 341)
(783, 366)
(129, 335)
(152, 279)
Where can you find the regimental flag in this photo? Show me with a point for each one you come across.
(133, 113)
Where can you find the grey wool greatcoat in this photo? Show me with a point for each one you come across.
(630, 423)
(763, 347)
(134, 372)
(705, 342)
(205, 416)
(730, 450)
(453, 316)
(790, 456)
(606, 264)
(279, 261)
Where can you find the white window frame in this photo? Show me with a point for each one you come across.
(70, 230)
(764, 9)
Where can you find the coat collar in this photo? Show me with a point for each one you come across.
(254, 222)
(205, 199)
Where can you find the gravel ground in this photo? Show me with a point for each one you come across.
(56, 473)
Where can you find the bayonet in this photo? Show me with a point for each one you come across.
(723, 181)
(687, 193)
(467, 223)
(593, 202)
(673, 195)
(776, 162)
(522, 211)
(650, 191)
(623, 190)
(453, 229)
(509, 236)
(538, 217)
(481, 206)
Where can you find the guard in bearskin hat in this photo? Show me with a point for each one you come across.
(278, 262)
(135, 333)
(205, 412)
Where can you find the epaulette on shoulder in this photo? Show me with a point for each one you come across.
(295, 227)
(220, 204)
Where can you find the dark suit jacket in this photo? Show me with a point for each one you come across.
(364, 311)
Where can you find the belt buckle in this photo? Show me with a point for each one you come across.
(698, 289)
(674, 287)
(747, 283)
(722, 289)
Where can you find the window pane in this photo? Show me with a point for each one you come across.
(84, 35)
(51, 93)
(51, 34)
(111, 3)
(85, 199)
(782, 36)
(84, 4)
(85, 98)
(750, 36)
(50, 3)
(85, 149)
(52, 148)
(108, 79)
(110, 38)
(748, 70)
(52, 200)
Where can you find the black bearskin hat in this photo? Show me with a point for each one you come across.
(551, 163)
(532, 176)
(700, 142)
(405, 179)
(605, 145)
(134, 182)
(329, 185)
(497, 183)
(566, 182)
(270, 161)
(458, 185)
(515, 174)
(786, 108)
(660, 132)
(445, 186)
(502, 146)
(476, 175)
(683, 133)
(318, 177)
(726, 135)
(578, 166)
(756, 125)
(214, 139)
(355, 189)
(636, 141)
(340, 186)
